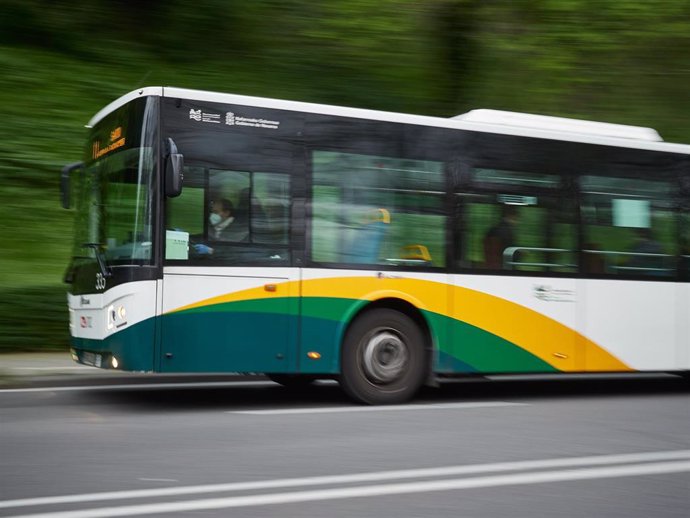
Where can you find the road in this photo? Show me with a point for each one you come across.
(477, 448)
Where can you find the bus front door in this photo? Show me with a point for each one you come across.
(229, 320)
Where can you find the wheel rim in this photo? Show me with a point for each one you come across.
(385, 357)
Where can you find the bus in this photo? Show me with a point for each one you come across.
(220, 233)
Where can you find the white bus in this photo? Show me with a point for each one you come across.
(224, 233)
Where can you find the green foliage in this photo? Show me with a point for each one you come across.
(33, 318)
(624, 62)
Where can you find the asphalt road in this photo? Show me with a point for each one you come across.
(530, 448)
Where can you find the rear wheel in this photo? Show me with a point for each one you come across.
(384, 359)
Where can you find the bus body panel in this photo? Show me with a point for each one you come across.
(515, 324)
(119, 322)
(473, 322)
(634, 320)
(229, 320)
(682, 312)
(331, 299)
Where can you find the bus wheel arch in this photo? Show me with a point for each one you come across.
(386, 353)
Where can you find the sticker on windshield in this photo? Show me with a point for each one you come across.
(232, 119)
(200, 116)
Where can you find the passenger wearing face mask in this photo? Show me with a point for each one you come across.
(220, 219)
(223, 226)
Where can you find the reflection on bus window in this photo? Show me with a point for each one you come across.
(371, 209)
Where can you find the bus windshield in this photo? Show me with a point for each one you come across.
(115, 190)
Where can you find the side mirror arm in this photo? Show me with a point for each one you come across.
(65, 182)
(174, 166)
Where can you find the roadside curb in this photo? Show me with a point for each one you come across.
(121, 379)
(38, 370)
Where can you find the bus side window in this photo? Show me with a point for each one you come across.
(517, 221)
(185, 216)
(271, 208)
(629, 227)
(366, 208)
(229, 217)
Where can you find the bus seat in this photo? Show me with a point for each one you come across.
(416, 252)
(363, 245)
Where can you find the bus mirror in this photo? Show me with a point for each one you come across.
(174, 165)
(65, 182)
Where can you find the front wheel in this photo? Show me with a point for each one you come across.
(384, 359)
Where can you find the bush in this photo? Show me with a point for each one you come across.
(34, 318)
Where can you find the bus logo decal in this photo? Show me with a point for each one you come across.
(200, 116)
(232, 119)
(551, 294)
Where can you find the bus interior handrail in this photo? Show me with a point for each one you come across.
(509, 257)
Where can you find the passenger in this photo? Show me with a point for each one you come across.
(222, 226)
(644, 245)
(499, 237)
(593, 262)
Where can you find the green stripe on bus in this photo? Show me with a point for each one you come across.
(323, 319)
(488, 353)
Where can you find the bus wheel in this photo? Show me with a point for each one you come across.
(384, 358)
(294, 381)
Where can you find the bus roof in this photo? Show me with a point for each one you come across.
(488, 121)
(560, 124)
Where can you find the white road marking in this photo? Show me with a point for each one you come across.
(376, 476)
(386, 408)
(139, 386)
(376, 490)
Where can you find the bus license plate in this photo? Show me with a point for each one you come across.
(93, 359)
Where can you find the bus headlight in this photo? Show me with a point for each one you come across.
(117, 316)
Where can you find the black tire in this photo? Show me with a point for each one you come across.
(293, 381)
(384, 359)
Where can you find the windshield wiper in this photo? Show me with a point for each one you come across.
(68, 277)
(100, 258)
